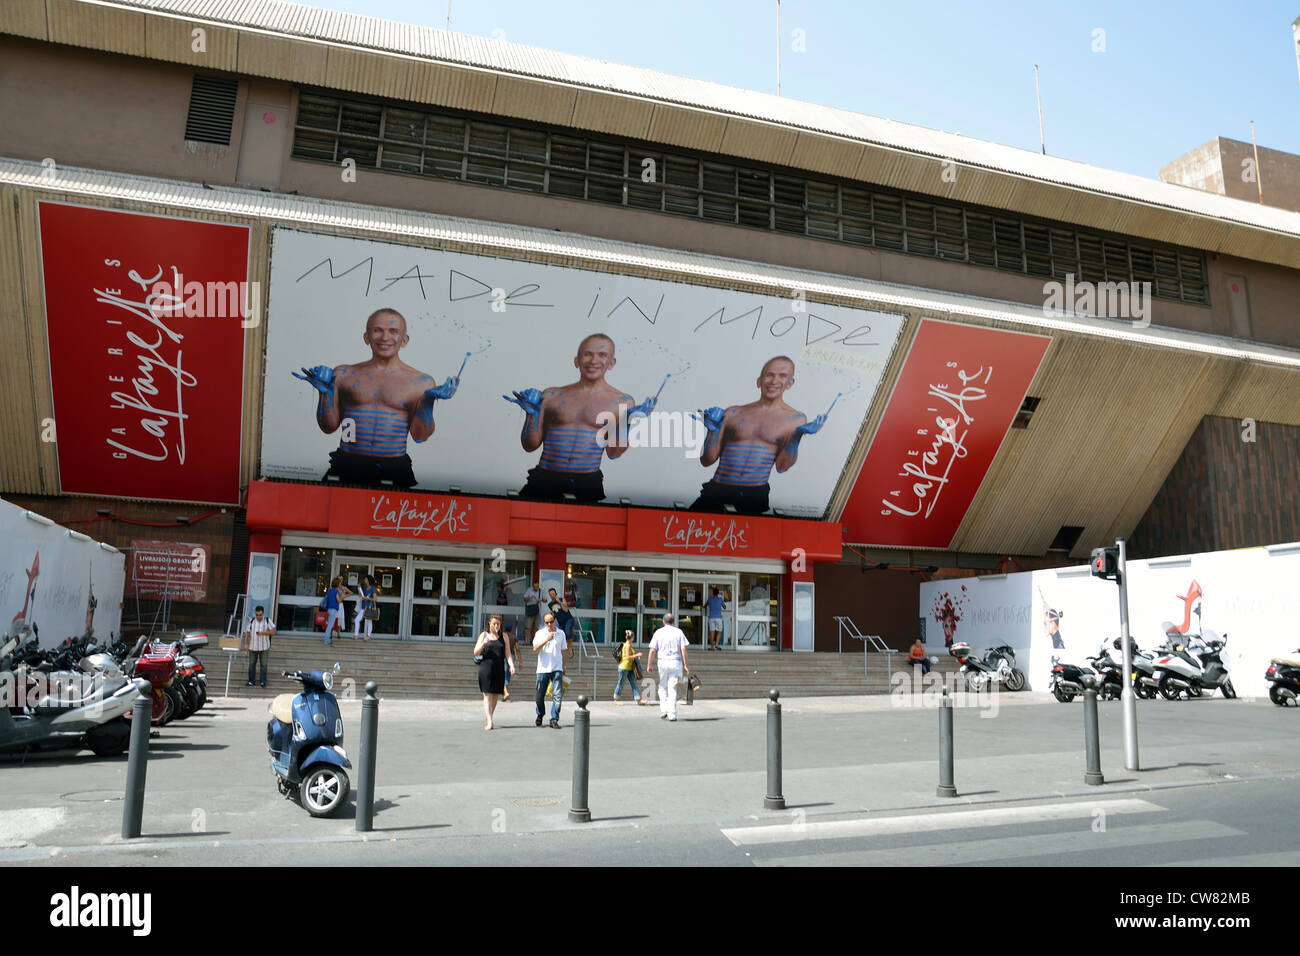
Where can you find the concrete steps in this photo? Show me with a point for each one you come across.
(437, 671)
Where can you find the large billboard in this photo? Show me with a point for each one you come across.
(146, 317)
(396, 366)
(955, 399)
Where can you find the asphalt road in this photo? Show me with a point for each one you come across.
(1216, 788)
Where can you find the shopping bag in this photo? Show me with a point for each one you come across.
(565, 686)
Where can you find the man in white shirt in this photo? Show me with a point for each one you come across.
(670, 644)
(257, 641)
(550, 644)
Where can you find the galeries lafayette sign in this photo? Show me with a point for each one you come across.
(418, 517)
(686, 532)
(956, 397)
(147, 380)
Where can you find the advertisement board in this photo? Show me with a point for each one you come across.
(145, 319)
(955, 399)
(58, 582)
(398, 366)
(1240, 595)
(174, 568)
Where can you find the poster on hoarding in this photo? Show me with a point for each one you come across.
(1068, 615)
(145, 319)
(55, 585)
(955, 399)
(398, 366)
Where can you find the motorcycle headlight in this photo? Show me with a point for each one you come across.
(338, 728)
(328, 680)
(318, 720)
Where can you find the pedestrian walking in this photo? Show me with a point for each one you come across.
(532, 598)
(257, 641)
(494, 650)
(512, 643)
(367, 607)
(334, 598)
(550, 645)
(626, 663)
(715, 606)
(669, 643)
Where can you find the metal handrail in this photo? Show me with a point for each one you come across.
(878, 645)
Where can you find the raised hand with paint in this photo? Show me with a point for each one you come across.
(377, 403)
(748, 441)
(424, 412)
(567, 423)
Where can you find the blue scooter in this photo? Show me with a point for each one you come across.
(304, 736)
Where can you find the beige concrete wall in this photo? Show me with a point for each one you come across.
(1220, 165)
(124, 114)
(116, 113)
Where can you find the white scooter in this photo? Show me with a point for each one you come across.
(1193, 666)
(997, 667)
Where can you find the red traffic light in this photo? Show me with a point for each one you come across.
(1105, 563)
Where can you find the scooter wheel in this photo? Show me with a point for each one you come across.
(324, 790)
(1016, 681)
(1228, 690)
(1063, 695)
(1276, 696)
(1167, 689)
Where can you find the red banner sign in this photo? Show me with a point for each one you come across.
(956, 397)
(174, 568)
(397, 514)
(689, 532)
(145, 317)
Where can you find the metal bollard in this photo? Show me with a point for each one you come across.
(774, 799)
(1092, 744)
(579, 812)
(137, 761)
(366, 771)
(946, 786)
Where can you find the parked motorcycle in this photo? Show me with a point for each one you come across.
(304, 737)
(1283, 676)
(1194, 667)
(998, 666)
(69, 713)
(1068, 680)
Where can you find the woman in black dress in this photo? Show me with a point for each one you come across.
(495, 651)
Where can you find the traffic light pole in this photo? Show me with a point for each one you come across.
(1128, 700)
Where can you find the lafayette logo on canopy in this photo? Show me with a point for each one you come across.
(955, 399)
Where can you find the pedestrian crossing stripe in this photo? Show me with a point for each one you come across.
(940, 820)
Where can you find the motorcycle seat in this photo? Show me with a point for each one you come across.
(282, 708)
(1287, 661)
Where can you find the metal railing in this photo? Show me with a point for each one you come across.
(846, 626)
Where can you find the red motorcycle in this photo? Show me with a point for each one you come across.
(157, 665)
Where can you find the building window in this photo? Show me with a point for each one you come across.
(418, 141)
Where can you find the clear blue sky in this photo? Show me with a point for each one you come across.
(1172, 76)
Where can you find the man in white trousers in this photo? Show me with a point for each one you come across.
(669, 643)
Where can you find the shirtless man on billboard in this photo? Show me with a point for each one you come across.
(384, 399)
(746, 441)
(566, 423)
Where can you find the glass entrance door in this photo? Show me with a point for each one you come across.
(354, 569)
(694, 592)
(443, 600)
(638, 601)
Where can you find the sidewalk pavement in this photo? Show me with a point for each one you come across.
(440, 774)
